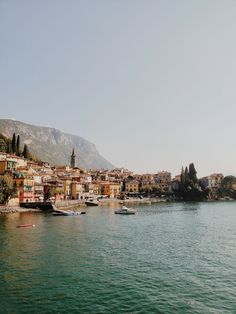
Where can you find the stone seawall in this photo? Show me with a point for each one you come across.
(45, 206)
(69, 204)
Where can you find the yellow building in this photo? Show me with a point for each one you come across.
(77, 189)
(67, 187)
(132, 186)
(97, 188)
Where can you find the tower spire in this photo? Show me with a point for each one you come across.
(73, 159)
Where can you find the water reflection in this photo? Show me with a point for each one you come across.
(160, 260)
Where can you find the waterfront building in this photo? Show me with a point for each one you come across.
(132, 186)
(57, 187)
(97, 188)
(67, 187)
(25, 186)
(163, 180)
(212, 181)
(77, 189)
(38, 192)
(111, 189)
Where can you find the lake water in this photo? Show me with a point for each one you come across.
(170, 258)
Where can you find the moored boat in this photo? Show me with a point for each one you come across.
(126, 211)
(25, 226)
(92, 202)
(68, 213)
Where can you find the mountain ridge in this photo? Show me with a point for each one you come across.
(55, 146)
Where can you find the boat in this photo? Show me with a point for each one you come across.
(25, 226)
(126, 211)
(68, 213)
(92, 202)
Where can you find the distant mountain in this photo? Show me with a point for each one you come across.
(54, 146)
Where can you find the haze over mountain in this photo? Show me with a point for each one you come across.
(55, 146)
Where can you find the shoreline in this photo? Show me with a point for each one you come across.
(4, 209)
(13, 210)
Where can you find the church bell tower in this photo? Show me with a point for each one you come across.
(73, 159)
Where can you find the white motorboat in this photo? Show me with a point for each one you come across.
(126, 211)
(92, 202)
(68, 213)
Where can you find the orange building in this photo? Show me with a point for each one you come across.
(7, 165)
(111, 189)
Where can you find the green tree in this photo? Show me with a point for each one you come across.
(192, 173)
(26, 152)
(186, 176)
(228, 182)
(189, 188)
(228, 187)
(18, 152)
(7, 188)
(182, 176)
(48, 192)
(13, 143)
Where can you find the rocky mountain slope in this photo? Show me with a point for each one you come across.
(54, 146)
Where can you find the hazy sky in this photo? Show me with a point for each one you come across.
(151, 83)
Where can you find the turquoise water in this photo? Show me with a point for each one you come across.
(170, 258)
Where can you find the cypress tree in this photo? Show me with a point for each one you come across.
(13, 143)
(26, 153)
(186, 174)
(18, 145)
(182, 177)
(192, 173)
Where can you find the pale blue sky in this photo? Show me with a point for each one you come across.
(151, 83)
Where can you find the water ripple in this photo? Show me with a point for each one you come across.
(170, 258)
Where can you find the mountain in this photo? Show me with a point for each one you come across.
(55, 146)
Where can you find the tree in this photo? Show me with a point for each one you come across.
(189, 188)
(228, 182)
(147, 190)
(182, 177)
(192, 173)
(186, 176)
(18, 152)
(228, 187)
(13, 143)
(26, 152)
(48, 192)
(7, 188)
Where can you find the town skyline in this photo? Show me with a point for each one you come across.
(25, 179)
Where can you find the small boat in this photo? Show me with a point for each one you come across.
(25, 226)
(126, 211)
(92, 202)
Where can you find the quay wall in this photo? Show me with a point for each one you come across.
(69, 204)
